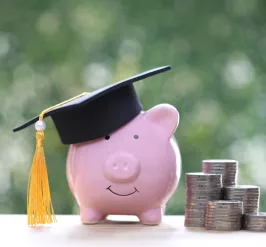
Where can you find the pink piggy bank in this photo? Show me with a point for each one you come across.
(132, 171)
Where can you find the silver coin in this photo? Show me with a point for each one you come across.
(229, 220)
(223, 227)
(255, 224)
(206, 183)
(203, 183)
(221, 165)
(223, 217)
(204, 178)
(191, 201)
(229, 179)
(242, 198)
(203, 190)
(195, 213)
(223, 213)
(250, 206)
(219, 168)
(194, 217)
(223, 202)
(241, 193)
(204, 186)
(245, 195)
(248, 203)
(210, 228)
(194, 222)
(195, 203)
(242, 189)
(255, 221)
(247, 211)
(244, 186)
(189, 209)
(205, 197)
(227, 168)
(223, 222)
(204, 193)
(200, 176)
(224, 206)
(226, 175)
(259, 215)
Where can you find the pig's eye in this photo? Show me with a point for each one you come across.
(107, 138)
(136, 137)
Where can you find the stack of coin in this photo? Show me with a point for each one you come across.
(224, 215)
(228, 169)
(248, 194)
(255, 221)
(200, 188)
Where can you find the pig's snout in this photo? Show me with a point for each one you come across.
(122, 167)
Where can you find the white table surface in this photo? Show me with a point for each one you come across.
(119, 231)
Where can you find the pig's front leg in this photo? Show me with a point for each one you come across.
(90, 216)
(152, 216)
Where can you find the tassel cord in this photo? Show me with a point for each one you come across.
(39, 204)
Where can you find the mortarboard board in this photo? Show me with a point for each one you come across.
(94, 115)
(83, 118)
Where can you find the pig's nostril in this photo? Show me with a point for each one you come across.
(125, 166)
(114, 166)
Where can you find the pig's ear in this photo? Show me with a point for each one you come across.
(166, 116)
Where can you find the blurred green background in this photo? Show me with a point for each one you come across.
(53, 50)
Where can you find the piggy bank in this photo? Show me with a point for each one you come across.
(132, 171)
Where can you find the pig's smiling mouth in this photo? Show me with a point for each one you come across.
(109, 188)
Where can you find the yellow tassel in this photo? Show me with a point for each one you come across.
(39, 204)
(40, 208)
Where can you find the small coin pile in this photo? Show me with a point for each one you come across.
(228, 169)
(200, 188)
(248, 194)
(255, 221)
(223, 215)
(213, 199)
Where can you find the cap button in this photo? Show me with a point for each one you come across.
(40, 125)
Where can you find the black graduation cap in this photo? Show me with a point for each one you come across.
(99, 113)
